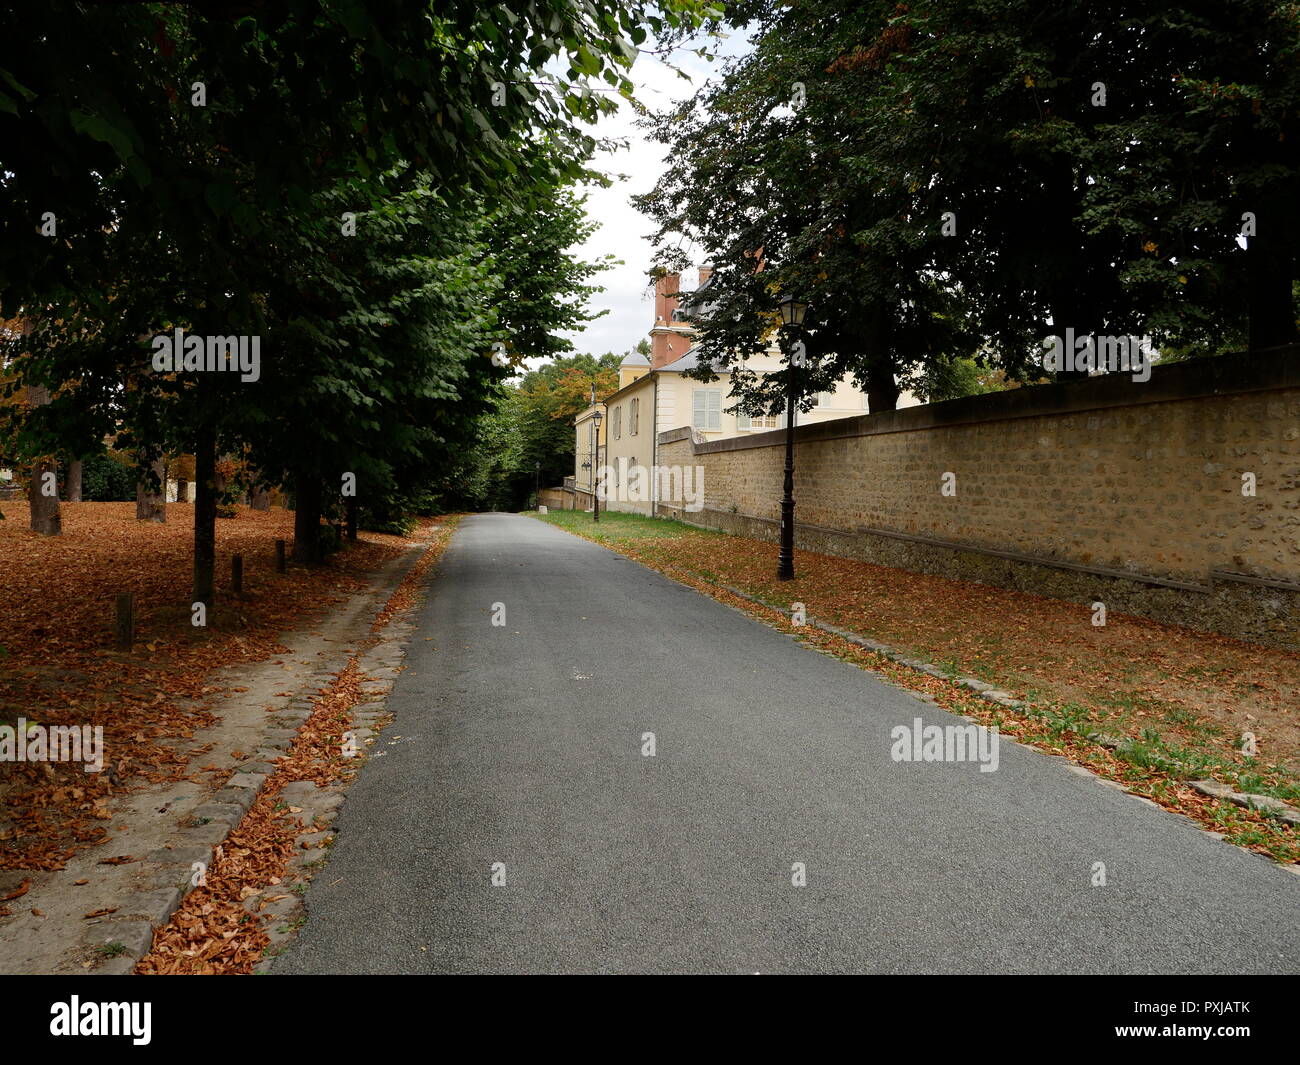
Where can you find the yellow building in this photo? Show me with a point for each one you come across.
(654, 396)
(588, 454)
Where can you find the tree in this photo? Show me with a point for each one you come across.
(764, 190)
(953, 176)
(549, 399)
(137, 201)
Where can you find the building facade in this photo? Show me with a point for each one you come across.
(654, 396)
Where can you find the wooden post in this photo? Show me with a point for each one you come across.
(125, 621)
(279, 556)
(237, 574)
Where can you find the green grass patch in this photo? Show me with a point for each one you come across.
(614, 526)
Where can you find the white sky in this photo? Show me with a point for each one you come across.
(624, 231)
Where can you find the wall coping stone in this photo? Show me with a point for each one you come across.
(1237, 374)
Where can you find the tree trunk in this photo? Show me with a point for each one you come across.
(1070, 289)
(261, 499)
(882, 386)
(43, 494)
(1270, 262)
(205, 517)
(151, 503)
(74, 481)
(882, 390)
(351, 508)
(44, 498)
(306, 518)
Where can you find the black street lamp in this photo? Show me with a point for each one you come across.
(595, 469)
(792, 316)
(537, 485)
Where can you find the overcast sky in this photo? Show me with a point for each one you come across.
(624, 231)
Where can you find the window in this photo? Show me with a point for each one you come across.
(706, 406)
(618, 422)
(758, 423)
(825, 399)
(633, 417)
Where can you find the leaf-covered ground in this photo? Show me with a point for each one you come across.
(220, 928)
(59, 666)
(1181, 699)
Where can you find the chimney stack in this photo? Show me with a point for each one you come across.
(665, 345)
(664, 303)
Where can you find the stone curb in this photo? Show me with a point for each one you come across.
(987, 691)
(321, 806)
(1215, 790)
(170, 873)
(1212, 788)
(319, 809)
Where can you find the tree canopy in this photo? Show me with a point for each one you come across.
(953, 178)
(374, 198)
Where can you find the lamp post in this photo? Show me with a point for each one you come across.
(595, 470)
(792, 316)
(537, 485)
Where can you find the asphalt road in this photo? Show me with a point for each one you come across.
(522, 745)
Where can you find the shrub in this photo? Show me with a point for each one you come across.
(105, 480)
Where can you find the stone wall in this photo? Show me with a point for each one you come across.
(1105, 489)
(556, 498)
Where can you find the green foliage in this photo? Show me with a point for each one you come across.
(951, 183)
(528, 439)
(107, 480)
(330, 539)
(228, 219)
(393, 514)
(953, 379)
(546, 402)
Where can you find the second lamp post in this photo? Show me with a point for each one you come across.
(595, 470)
(792, 315)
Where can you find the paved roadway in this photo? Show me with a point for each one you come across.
(522, 745)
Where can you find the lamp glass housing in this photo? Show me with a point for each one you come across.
(793, 310)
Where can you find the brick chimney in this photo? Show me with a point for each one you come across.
(665, 344)
(664, 303)
(706, 272)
